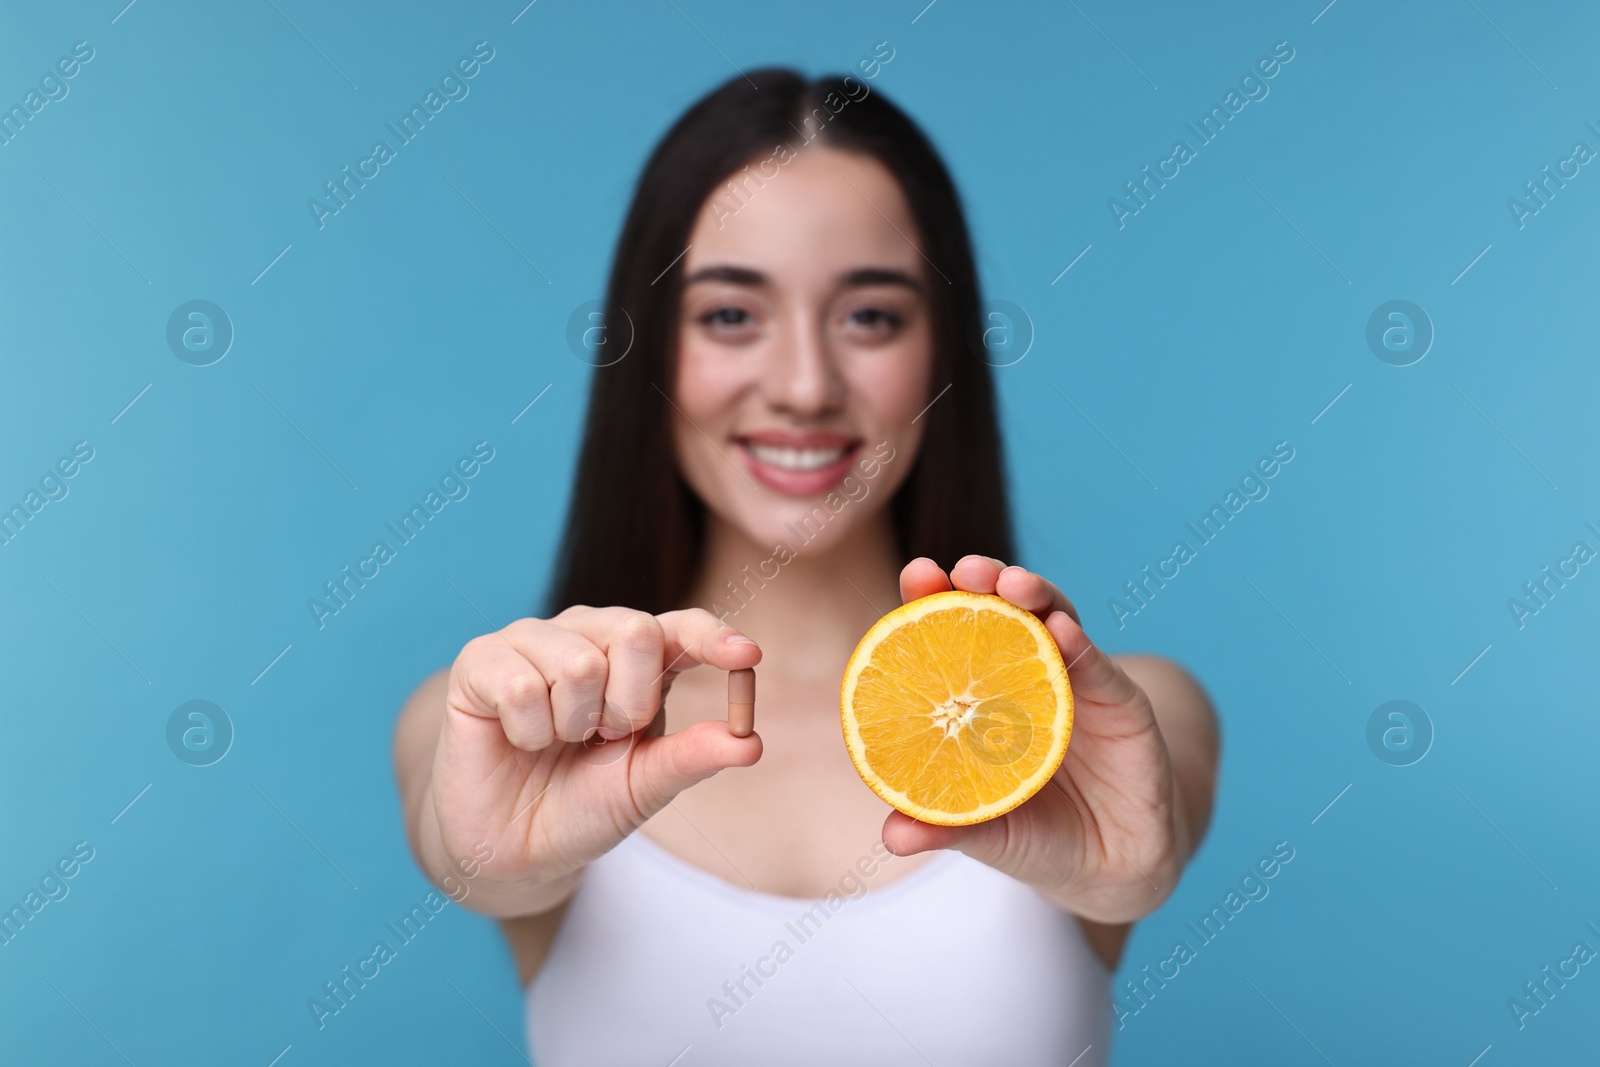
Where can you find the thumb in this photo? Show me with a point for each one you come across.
(663, 767)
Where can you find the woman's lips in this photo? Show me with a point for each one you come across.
(796, 466)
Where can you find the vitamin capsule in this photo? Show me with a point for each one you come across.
(742, 702)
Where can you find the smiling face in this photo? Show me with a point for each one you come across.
(804, 348)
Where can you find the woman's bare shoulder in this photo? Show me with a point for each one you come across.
(416, 732)
(1181, 705)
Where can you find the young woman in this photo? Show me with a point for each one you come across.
(802, 435)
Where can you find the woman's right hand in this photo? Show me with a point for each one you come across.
(544, 755)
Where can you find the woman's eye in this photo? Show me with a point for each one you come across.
(726, 316)
(875, 319)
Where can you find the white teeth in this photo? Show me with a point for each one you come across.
(797, 459)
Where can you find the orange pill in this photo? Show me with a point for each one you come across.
(742, 702)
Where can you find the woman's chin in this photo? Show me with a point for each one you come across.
(801, 533)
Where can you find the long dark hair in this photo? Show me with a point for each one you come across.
(635, 529)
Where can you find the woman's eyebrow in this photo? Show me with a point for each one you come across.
(855, 279)
(727, 273)
(865, 276)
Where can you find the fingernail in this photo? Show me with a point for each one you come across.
(996, 562)
(736, 638)
(612, 735)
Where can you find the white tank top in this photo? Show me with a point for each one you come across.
(660, 963)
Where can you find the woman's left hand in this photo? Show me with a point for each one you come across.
(1108, 835)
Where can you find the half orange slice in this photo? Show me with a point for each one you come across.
(956, 707)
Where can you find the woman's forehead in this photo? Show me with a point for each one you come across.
(822, 213)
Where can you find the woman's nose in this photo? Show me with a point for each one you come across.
(802, 375)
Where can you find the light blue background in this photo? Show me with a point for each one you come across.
(1207, 329)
